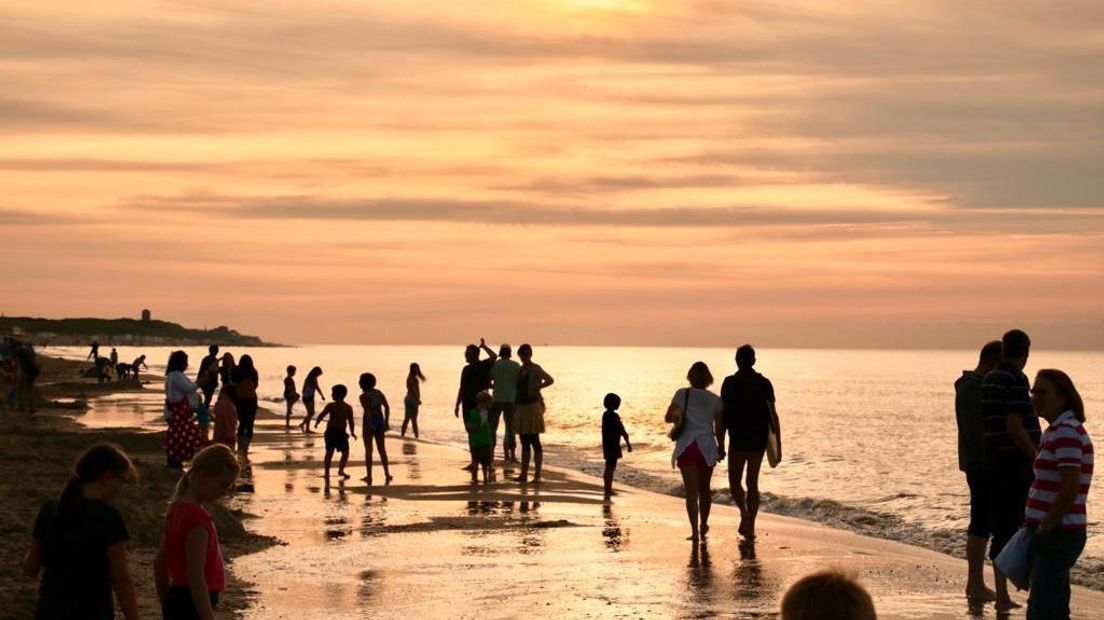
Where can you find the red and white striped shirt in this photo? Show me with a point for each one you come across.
(1064, 444)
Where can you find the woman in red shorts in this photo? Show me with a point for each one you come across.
(696, 452)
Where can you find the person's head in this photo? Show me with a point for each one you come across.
(827, 595)
(113, 350)
(525, 352)
(416, 371)
(611, 401)
(314, 373)
(699, 376)
(213, 472)
(213, 349)
(1015, 346)
(471, 353)
(990, 356)
(484, 399)
(246, 363)
(339, 392)
(140, 359)
(178, 362)
(291, 371)
(227, 359)
(367, 381)
(1054, 394)
(505, 351)
(102, 464)
(745, 356)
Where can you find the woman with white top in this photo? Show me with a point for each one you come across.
(698, 413)
(183, 438)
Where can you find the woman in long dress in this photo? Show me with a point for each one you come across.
(183, 438)
(700, 414)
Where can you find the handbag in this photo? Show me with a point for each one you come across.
(680, 423)
(1014, 561)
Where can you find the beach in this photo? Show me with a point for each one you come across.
(433, 545)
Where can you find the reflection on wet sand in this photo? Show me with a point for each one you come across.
(699, 576)
(611, 530)
(414, 467)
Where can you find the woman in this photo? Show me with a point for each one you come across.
(80, 542)
(700, 416)
(374, 426)
(188, 570)
(184, 437)
(226, 369)
(413, 398)
(529, 413)
(245, 392)
(1056, 503)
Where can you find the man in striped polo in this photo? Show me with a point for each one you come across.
(1011, 442)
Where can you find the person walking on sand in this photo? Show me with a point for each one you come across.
(183, 438)
(208, 376)
(612, 433)
(504, 379)
(310, 388)
(341, 415)
(529, 412)
(187, 570)
(376, 421)
(1011, 438)
(474, 378)
(290, 395)
(749, 414)
(226, 418)
(413, 399)
(1055, 507)
(971, 461)
(80, 543)
(698, 418)
(245, 382)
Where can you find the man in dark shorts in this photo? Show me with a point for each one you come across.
(1012, 437)
(208, 377)
(749, 414)
(474, 378)
(971, 461)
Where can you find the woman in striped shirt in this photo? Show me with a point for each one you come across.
(1056, 503)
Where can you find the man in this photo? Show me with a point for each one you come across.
(208, 377)
(749, 414)
(504, 378)
(474, 378)
(971, 461)
(1012, 436)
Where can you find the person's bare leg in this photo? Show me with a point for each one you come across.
(414, 423)
(525, 455)
(705, 498)
(975, 578)
(329, 460)
(736, 485)
(287, 417)
(380, 437)
(690, 483)
(607, 477)
(344, 462)
(305, 424)
(1004, 602)
(368, 457)
(754, 466)
(538, 459)
(402, 432)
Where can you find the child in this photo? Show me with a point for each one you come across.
(80, 540)
(226, 418)
(341, 415)
(827, 594)
(310, 388)
(189, 558)
(612, 432)
(377, 419)
(203, 418)
(477, 421)
(290, 395)
(413, 398)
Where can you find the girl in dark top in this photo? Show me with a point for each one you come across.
(79, 542)
(413, 398)
(310, 389)
(377, 419)
(245, 391)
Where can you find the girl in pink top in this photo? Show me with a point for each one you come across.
(226, 419)
(188, 568)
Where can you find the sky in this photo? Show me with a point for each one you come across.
(623, 172)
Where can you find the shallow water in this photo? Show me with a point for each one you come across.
(869, 436)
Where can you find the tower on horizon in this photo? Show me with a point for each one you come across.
(145, 316)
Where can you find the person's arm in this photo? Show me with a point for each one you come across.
(545, 379)
(161, 571)
(1063, 500)
(32, 562)
(195, 557)
(352, 424)
(325, 412)
(491, 355)
(625, 434)
(121, 581)
(720, 427)
(1015, 427)
(672, 412)
(777, 425)
(318, 389)
(386, 411)
(459, 398)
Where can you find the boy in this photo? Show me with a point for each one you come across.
(341, 415)
(478, 424)
(612, 432)
(290, 395)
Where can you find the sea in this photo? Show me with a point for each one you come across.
(869, 436)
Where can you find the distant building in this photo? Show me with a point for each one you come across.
(145, 316)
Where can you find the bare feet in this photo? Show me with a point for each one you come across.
(704, 531)
(388, 479)
(344, 475)
(981, 595)
(521, 479)
(1006, 605)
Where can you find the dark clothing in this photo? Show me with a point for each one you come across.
(247, 416)
(968, 415)
(1052, 555)
(1006, 390)
(208, 376)
(482, 455)
(747, 397)
(178, 604)
(979, 504)
(337, 440)
(76, 578)
(474, 378)
(1008, 476)
(612, 431)
(528, 389)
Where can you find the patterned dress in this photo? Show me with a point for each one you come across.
(183, 438)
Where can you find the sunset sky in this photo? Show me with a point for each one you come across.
(791, 173)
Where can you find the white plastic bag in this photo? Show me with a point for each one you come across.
(1013, 560)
